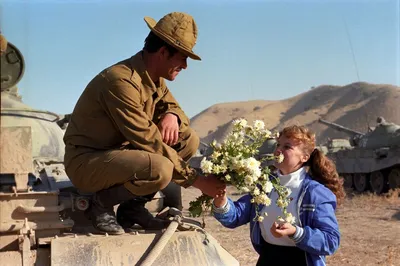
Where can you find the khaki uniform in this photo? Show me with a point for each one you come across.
(113, 138)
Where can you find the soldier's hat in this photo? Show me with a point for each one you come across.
(177, 29)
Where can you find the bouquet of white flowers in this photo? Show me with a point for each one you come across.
(234, 162)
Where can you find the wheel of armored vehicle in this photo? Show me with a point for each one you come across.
(378, 182)
(394, 178)
(360, 182)
(348, 180)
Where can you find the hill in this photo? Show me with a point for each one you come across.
(356, 106)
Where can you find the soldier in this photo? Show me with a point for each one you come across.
(128, 137)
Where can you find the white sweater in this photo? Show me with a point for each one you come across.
(294, 182)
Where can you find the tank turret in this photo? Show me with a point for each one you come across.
(355, 135)
(47, 136)
(383, 135)
(373, 162)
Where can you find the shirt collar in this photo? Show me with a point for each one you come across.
(298, 174)
(148, 86)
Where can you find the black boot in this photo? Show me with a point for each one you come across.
(173, 196)
(134, 212)
(102, 209)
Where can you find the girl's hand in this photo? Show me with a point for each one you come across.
(282, 229)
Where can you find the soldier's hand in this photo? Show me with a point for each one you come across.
(210, 185)
(220, 199)
(169, 129)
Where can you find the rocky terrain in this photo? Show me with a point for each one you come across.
(356, 106)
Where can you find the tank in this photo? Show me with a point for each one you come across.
(43, 219)
(372, 160)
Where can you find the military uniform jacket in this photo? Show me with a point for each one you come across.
(121, 106)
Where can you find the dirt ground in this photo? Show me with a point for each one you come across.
(369, 224)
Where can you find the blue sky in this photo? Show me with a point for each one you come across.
(250, 49)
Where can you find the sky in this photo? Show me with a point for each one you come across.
(250, 50)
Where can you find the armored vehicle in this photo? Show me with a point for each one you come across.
(42, 219)
(373, 160)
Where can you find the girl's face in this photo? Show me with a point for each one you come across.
(293, 153)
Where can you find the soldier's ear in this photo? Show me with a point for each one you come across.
(163, 52)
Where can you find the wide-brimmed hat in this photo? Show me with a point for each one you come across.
(177, 29)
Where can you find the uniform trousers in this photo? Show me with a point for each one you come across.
(141, 172)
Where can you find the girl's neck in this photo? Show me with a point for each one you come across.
(287, 172)
(292, 178)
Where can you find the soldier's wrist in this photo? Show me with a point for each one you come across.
(176, 116)
(198, 182)
(191, 176)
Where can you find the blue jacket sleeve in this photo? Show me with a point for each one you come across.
(322, 236)
(235, 213)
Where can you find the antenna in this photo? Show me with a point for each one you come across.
(366, 114)
(351, 48)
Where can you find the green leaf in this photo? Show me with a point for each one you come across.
(201, 204)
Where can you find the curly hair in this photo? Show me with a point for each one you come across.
(321, 168)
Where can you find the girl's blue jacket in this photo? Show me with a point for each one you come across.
(318, 231)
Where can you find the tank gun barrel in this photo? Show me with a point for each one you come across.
(340, 128)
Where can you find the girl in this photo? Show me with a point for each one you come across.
(316, 190)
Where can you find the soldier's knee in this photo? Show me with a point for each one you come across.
(162, 169)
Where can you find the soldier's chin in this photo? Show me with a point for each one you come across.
(172, 76)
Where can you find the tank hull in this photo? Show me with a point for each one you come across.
(369, 169)
(190, 248)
